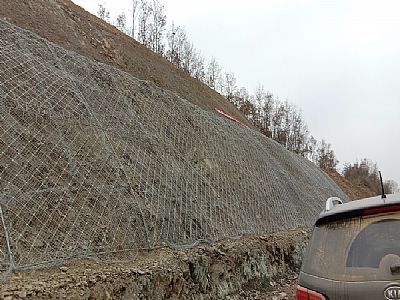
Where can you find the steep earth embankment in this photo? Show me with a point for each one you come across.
(96, 161)
(71, 27)
(355, 192)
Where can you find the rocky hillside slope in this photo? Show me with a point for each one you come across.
(70, 26)
(94, 161)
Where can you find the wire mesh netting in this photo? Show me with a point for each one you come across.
(94, 161)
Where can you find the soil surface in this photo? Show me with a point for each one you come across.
(97, 161)
(251, 267)
(70, 26)
(355, 192)
(285, 289)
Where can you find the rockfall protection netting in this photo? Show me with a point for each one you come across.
(94, 161)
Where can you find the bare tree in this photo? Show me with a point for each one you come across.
(180, 43)
(182, 53)
(229, 85)
(171, 52)
(365, 173)
(103, 13)
(176, 38)
(298, 133)
(213, 74)
(144, 26)
(312, 147)
(391, 187)
(121, 22)
(159, 20)
(267, 113)
(326, 158)
(259, 99)
(135, 4)
(187, 56)
(244, 102)
(278, 123)
(197, 69)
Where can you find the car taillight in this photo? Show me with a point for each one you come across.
(315, 296)
(379, 210)
(301, 293)
(306, 294)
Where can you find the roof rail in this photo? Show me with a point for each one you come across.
(332, 202)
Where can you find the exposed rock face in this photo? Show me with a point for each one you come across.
(95, 161)
(223, 271)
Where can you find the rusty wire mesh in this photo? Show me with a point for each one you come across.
(94, 161)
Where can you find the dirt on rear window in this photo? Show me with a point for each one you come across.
(361, 248)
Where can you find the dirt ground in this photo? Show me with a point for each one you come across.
(251, 267)
(284, 290)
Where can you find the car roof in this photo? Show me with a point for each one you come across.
(353, 208)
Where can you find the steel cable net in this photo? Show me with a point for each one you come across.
(94, 161)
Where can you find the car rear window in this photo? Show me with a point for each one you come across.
(362, 248)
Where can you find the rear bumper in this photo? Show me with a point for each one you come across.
(339, 290)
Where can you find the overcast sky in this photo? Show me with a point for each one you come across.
(338, 61)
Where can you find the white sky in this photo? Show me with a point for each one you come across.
(339, 61)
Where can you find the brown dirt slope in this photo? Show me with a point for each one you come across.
(99, 161)
(70, 26)
(355, 192)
